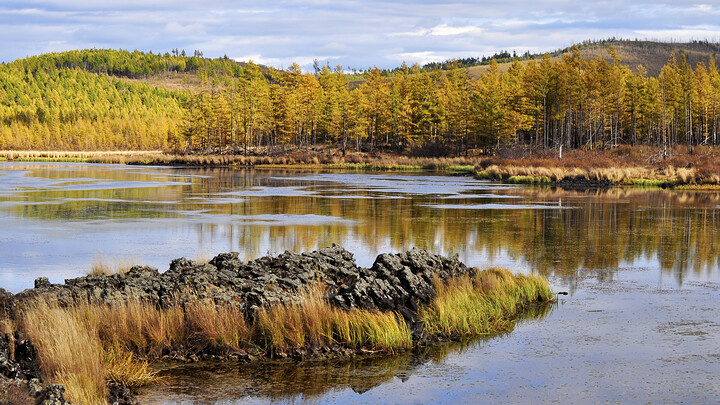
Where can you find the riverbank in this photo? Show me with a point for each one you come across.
(638, 166)
(315, 305)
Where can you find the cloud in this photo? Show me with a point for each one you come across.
(440, 30)
(351, 33)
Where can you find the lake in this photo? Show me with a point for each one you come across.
(641, 267)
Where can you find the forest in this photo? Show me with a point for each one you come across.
(97, 100)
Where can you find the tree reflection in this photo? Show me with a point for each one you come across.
(576, 235)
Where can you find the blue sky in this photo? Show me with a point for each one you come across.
(355, 34)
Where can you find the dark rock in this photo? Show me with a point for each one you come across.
(42, 282)
(53, 394)
(120, 395)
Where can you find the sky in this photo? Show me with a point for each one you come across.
(353, 34)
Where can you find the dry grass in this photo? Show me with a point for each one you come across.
(217, 328)
(101, 265)
(637, 165)
(126, 369)
(69, 351)
(485, 303)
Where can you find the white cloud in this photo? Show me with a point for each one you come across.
(440, 30)
(422, 57)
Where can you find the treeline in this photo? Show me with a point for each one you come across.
(46, 107)
(133, 64)
(570, 102)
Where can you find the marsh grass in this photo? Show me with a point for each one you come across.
(314, 322)
(485, 303)
(461, 169)
(69, 351)
(529, 179)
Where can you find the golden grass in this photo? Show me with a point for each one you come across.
(68, 349)
(485, 303)
(217, 328)
(101, 265)
(124, 368)
(314, 322)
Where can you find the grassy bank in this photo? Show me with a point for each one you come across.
(84, 346)
(625, 165)
(301, 158)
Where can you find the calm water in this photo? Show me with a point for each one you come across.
(642, 267)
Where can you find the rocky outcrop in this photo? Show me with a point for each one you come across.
(19, 378)
(398, 282)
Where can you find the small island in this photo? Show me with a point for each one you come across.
(98, 335)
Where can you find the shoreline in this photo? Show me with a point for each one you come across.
(624, 166)
(269, 308)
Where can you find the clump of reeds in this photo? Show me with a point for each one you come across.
(483, 303)
(75, 349)
(314, 322)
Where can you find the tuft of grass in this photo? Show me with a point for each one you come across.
(461, 169)
(124, 368)
(313, 321)
(217, 327)
(140, 327)
(102, 266)
(484, 303)
(69, 351)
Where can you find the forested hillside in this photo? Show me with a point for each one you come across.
(102, 99)
(571, 102)
(83, 100)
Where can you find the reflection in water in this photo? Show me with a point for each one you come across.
(639, 326)
(552, 232)
(287, 381)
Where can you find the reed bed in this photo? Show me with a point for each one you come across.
(484, 303)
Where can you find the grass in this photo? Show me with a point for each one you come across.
(314, 322)
(461, 169)
(529, 179)
(485, 303)
(69, 351)
(374, 166)
(101, 265)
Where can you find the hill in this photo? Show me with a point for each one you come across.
(101, 99)
(650, 54)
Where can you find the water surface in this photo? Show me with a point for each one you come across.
(641, 267)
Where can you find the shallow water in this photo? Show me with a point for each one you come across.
(639, 325)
